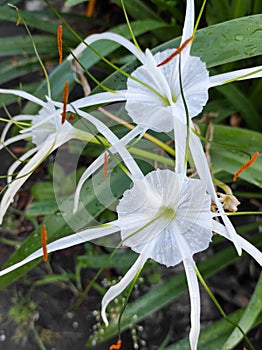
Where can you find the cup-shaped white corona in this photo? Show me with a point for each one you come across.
(162, 207)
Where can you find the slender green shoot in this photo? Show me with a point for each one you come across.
(129, 26)
(199, 17)
(35, 49)
(187, 112)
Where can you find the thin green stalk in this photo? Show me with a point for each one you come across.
(199, 17)
(187, 112)
(239, 213)
(35, 49)
(129, 26)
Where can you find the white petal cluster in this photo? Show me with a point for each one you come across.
(161, 208)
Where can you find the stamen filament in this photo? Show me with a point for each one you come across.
(246, 165)
(177, 52)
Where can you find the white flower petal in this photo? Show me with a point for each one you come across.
(24, 95)
(22, 176)
(194, 294)
(149, 110)
(18, 162)
(188, 26)
(96, 164)
(242, 74)
(96, 99)
(65, 242)
(160, 208)
(248, 247)
(13, 139)
(108, 36)
(99, 162)
(204, 174)
(117, 289)
(117, 144)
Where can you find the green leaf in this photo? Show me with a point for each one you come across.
(12, 69)
(230, 158)
(138, 9)
(213, 336)
(69, 3)
(248, 319)
(22, 45)
(243, 105)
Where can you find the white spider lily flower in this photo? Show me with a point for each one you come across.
(166, 217)
(47, 133)
(154, 99)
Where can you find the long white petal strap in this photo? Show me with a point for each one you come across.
(22, 176)
(248, 247)
(108, 36)
(24, 95)
(242, 74)
(115, 142)
(188, 27)
(13, 139)
(18, 162)
(66, 242)
(99, 162)
(117, 289)
(87, 173)
(193, 288)
(204, 173)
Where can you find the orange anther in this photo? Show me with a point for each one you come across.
(178, 51)
(105, 164)
(116, 346)
(65, 101)
(44, 243)
(71, 117)
(60, 43)
(90, 8)
(246, 165)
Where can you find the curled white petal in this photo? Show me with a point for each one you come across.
(107, 36)
(188, 26)
(18, 162)
(242, 74)
(117, 144)
(24, 95)
(248, 247)
(117, 289)
(204, 173)
(14, 139)
(65, 242)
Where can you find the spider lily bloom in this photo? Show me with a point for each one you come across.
(166, 217)
(48, 132)
(154, 99)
